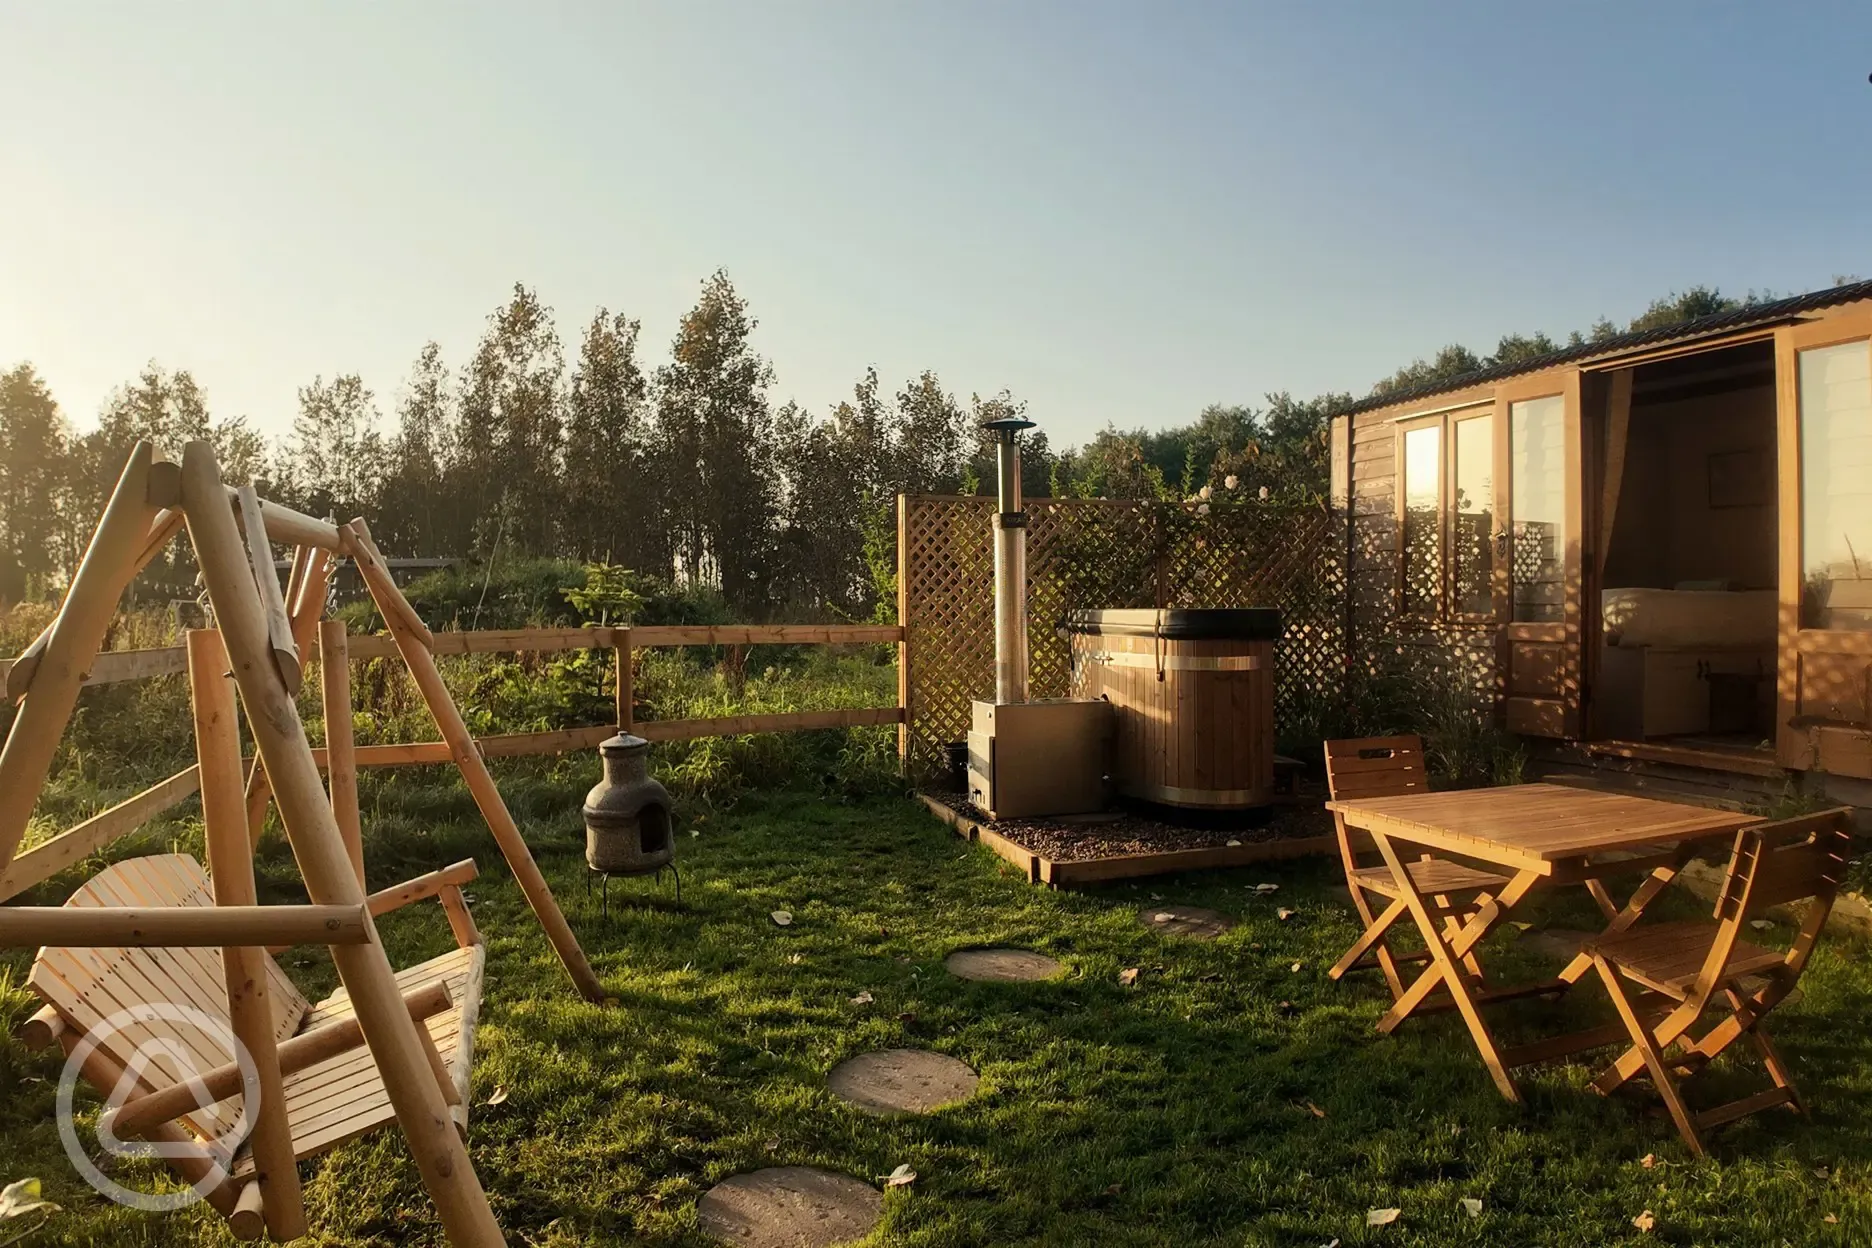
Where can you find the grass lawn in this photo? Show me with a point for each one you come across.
(1233, 1096)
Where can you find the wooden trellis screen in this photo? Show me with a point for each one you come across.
(1090, 553)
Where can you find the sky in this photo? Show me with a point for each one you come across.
(1119, 212)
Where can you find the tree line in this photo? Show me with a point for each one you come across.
(685, 470)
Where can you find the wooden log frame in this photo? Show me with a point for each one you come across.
(46, 859)
(414, 647)
(421, 1109)
(250, 1006)
(332, 924)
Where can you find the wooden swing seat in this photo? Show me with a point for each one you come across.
(327, 1103)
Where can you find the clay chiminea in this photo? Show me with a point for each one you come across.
(627, 814)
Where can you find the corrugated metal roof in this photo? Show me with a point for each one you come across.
(1684, 331)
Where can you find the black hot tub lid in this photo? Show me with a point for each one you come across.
(1180, 623)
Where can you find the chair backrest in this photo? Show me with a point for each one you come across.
(1372, 767)
(1798, 859)
(89, 985)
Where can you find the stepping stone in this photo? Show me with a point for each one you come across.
(902, 1081)
(790, 1207)
(1001, 966)
(1560, 943)
(1191, 921)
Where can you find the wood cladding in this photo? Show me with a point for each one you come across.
(1194, 719)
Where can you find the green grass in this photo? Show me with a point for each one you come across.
(1176, 1112)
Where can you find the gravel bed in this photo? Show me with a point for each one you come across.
(1112, 835)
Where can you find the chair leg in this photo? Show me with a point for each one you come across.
(1653, 1059)
(1375, 928)
(1776, 1065)
(1452, 924)
(1371, 938)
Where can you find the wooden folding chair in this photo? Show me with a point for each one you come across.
(1392, 767)
(1682, 969)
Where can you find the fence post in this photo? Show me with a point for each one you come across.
(626, 680)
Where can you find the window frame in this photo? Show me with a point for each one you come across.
(1445, 420)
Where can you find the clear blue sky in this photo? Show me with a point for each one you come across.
(1120, 212)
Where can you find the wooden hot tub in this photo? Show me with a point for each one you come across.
(1192, 694)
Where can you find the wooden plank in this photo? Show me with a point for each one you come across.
(766, 634)
(113, 926)
(47, 859)
(904, 683)
(1748, 764)
(1131, 866)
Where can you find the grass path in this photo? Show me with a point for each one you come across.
(1225, 1099)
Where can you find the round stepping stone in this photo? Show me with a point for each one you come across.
(790, 1207)
(1001, 966)
(1191, 921)
(902, 1081)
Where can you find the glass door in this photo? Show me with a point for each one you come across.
(1823, 373)
(1538, 549)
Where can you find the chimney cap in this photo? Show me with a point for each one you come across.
(1006, 427)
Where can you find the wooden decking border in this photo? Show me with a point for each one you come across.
(1040, 869)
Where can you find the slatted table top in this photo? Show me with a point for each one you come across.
(1535, 826)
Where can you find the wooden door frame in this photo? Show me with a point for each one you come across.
(1565, 384)
(1807, 747)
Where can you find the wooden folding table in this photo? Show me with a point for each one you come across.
(1543, 834)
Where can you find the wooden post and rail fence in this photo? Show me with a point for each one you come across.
(46, 859)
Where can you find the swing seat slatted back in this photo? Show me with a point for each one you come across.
(135, 987)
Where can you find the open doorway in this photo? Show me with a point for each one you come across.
(1687, 576)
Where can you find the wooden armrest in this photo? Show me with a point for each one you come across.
(399, 895)
(140, 1113)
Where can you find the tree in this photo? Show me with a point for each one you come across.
(714, 442)
(614, 501)
(33, 449)
(334, 462)
(508, 430)
(413, 507)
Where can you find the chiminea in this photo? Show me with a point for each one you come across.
(627, 814)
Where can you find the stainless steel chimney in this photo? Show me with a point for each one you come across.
(1010, 564)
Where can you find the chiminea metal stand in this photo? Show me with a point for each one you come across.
(628, 830)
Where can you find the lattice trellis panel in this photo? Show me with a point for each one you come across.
(1092, 553)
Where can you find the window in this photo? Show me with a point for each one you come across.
(1836, 486)
(1447, 517)
(1537, 476)
(1472, 512)
(1423, 521)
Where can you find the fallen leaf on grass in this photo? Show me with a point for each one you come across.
(1519, 926)
(1381, 1217)
(1163, 916)
(1128, 976)
(1264, 889)
(1114, 1188)
(22, 1197)
(863, 998)
(1233, 842)
(1472, 1206)
(1295, 968)
(1287, 1007)
(1331, 1243)
(1317, 1111)
(1760, 925)
(908, 1016)
(902, 1176)
(794, 959)
(1644, 1221)
(1649, 1160)
(1283, 914)
(1821, 1172)
(782, 918)
(1831, 1219)
(499, 1095)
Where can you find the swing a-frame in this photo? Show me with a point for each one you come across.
(142, 936)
